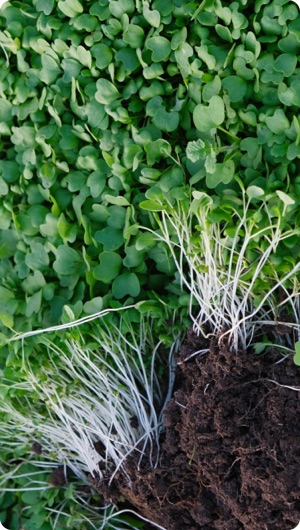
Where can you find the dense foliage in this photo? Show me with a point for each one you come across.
(139, 140)
(102, 101)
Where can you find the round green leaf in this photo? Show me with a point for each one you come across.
(102, 54)
(236, 87)
(67, 261)
(223, 173)
(110, 264)
(106, 92)
(207, 118)
(160, 47)
(111, 238)
(93, 306)
(5, 110)
(278, 122)
(127, 284)
(134, 36)
(286, 63)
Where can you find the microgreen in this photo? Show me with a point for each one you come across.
(98, 103)
(148, 150)
(227, 262)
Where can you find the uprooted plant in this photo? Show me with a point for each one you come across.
(94, 400)
(233, 256)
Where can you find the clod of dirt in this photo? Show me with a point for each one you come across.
(230, 453)
(58, 477)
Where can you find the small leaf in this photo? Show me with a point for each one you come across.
(110, 237)
(286, 199)
(67, 261)
(196, 150)
(254, 192)
(160, 47)
(126, 284)
(102, 54)
(93, 306)
(224, 173)
(106, 92)
(152, 17)
(285, 63)
(118, 201)
(207, 118)
(134, 36)
(278, 123)
(152, 206)
(236, 87)
(109, 268)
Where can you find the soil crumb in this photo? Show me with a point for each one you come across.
(230, 452)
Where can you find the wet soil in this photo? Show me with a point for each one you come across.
(230, 453)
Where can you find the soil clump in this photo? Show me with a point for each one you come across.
(230, 452)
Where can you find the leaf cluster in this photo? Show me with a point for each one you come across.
(100, 102)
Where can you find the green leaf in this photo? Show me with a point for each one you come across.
(45, 6)
(210, 162)
(152, 206)
(285, 63)
(166, 121)
(223, 173)
(110, 264)
(93, 306)
(178, 38)
(5, 110)
(224, 33)
(111, 238)
(6, 319)
(67, 261)
(278, 123)
(96, 115)
(119, 200)
(102, 54)
(106, 92)
(50, 69)
(129, 58)
(134, 36)
(286, 199)
(151, 16)
(196, 150)
(254, 192)
(70, 8)
(207, 118)
(66, 230)
(118, 8)
(134, 258)
(38, 258)
(205, 56)
(127, 284)
(4, 189)
(160, 47)
(33, 303)
(156, 150)
(236, 87)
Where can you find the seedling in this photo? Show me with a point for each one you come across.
(86, 395)
(229, 296)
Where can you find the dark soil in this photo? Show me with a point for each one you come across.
(230, 453)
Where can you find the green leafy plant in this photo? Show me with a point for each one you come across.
(95, 399)
(99, 102)
(232, 269)
(149, 158)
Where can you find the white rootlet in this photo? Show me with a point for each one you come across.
(96, 399)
